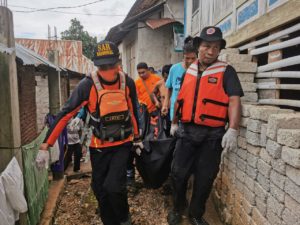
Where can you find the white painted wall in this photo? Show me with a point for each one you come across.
(177, 9)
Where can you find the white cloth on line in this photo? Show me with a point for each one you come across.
(7, 215)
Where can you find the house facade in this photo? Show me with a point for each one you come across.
(148, 34)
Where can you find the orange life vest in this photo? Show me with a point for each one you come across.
(112, 122)
(202, 98)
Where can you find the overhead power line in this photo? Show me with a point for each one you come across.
(59, 7)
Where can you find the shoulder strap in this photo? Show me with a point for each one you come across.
(151, 97)
(123, 81)
(96, 81)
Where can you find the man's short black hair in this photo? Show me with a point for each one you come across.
(142, 65)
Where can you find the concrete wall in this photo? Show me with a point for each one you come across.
(27, 105)
(42, 99)
(259, 182)
(156, 47)
(177, 9)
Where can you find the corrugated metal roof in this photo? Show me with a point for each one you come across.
(70, 53)
(31, 58)
(157, 23)
(140, 6)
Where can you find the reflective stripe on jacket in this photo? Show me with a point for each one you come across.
(202, 98)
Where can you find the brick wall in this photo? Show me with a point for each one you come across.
(42, 99)
(259, 183)
(26, 89)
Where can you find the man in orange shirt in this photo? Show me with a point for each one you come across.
(145, 85)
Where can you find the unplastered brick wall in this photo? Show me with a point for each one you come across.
(245, 69)
(27, 106)
(259, 182)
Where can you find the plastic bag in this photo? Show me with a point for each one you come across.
(54, 153)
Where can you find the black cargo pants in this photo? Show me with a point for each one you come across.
(109, 182)
(201, 157)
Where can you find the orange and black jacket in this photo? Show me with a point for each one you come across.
(85, 94)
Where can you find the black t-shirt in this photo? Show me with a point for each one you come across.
(231, 83)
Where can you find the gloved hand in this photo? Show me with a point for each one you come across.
(174, 128)
(139, 146)
(42, 159)
(229, 140)
(74, 123)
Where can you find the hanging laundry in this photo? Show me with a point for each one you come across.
(7, 216)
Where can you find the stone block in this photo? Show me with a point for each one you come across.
(254, 125)
(274, 149)
(232, 157)
(290, 218)
(273, 218)
(248, 86)
(258, 218)
(246, 77)
(240, 175)
(293, 190)
(291, 204)
(249, 97)
(252, 160)
(263, 168)
(230, 51)
(263, 135)
(244, 122)
(242, 132)
(249, 182)
(245, 218)
(249, 196)
(242, 142)
(241, 164)
(242, 153)
(288, 137)
(246, 109)
(264, 155)
(253, 138)
(277, 179)
(251, 172)
(277, 193)
(279, 165)
(260, 192)
(239, 185)
(291, 156)
(247, 206)
(262, 112)
(275, 206)
(261, 206)
(244, 67)
(293, 174)
(254, 150)
(230, 57)
(282, 121)
(263, 181)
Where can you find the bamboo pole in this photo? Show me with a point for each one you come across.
(280, 64)
(272, 86)
(279, 74)
(283, 102)
(284, 44)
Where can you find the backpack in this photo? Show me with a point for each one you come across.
(114, 118)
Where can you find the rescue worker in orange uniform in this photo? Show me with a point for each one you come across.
(109, 96)
(145, 85)
(209, 98)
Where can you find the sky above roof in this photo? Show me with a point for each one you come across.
(96, 18)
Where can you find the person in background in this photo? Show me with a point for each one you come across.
(209, 97)
(176, 72)
(115, 131)
(74, 147)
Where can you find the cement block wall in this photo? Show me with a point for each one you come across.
(27, 105)
(259, 182)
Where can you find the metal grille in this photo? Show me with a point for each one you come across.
(3, 3)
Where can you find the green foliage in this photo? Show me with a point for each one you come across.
(76, 32)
